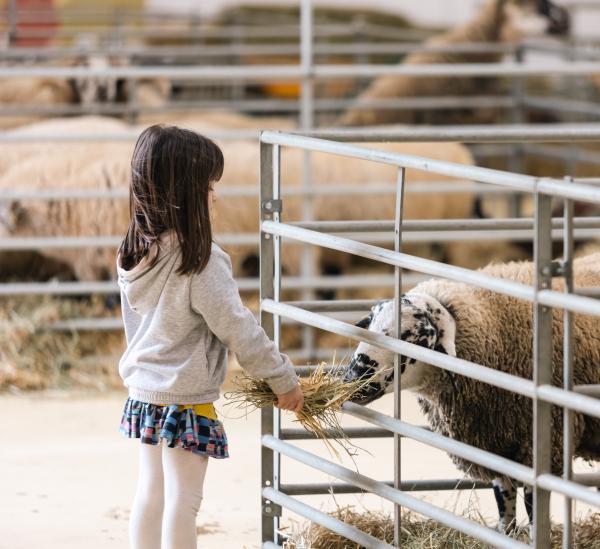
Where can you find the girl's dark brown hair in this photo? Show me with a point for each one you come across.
(171, 173)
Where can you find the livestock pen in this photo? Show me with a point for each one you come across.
(277, 494)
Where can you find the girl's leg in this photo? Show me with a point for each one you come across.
(184, 478)
(145, 523)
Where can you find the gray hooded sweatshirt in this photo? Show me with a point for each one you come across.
(178, 329)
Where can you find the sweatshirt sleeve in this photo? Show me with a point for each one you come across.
(214, 294)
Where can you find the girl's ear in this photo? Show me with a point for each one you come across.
(365, 322)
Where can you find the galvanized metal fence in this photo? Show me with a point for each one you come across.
(308, 72)
(277, 495)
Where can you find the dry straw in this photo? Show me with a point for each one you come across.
(324, 393)
(417, 533)
(32, 357)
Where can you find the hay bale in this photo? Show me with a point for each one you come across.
(33, 359)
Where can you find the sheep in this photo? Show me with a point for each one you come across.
(32, 92)
(495, 331)
(105, 165)
(498, 21)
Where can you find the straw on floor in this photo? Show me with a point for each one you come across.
(419, 533)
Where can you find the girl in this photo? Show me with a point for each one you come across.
(182, 311)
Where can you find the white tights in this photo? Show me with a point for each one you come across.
(167, 499)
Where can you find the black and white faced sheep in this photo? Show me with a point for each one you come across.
(495, 331)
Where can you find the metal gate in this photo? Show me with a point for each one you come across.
(276, 495)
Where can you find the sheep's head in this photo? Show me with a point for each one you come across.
(425, 322)
(12, 217)
(532, 18)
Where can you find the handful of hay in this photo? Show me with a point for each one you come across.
(324, 393)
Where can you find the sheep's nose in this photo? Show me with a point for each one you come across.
(360, 367)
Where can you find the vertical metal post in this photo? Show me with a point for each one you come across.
(542, 368)
(397, 332)
(568, 368)
(306, 123)
(269, 289)
(12, 22)
(516, 160)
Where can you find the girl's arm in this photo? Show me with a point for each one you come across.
(214, 294)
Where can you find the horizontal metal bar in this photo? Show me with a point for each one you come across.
(589, 390)
(244, 284)
(391, 494)
(451, 446)
(328, 521)
(84, 325)
(496, 133)
(569, 488)
(242, 50)
(569, 302)
(556, 153)
(350, 432)
(443, 70)
(406, 486)
(451, 169)
(550, 298)
(406, 261)
(570, 399)
(259, 105)
(374, 235)
(298, 72)
(463, 367)
(587, 479)
(319, 188)
(361, 305)
(554, 104)
(58, 288)
(410, 225)
(124, 136)
(526, 183)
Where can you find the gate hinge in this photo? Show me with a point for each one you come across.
(555, 268)
(273, 205)
(271, 509)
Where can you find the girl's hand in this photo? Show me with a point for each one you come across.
(292, 400)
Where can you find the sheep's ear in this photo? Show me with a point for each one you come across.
(366, 321)
(447, 339)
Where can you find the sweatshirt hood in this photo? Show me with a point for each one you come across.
(143, 285)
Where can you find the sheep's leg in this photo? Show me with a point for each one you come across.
(505, 493)
(528, 496)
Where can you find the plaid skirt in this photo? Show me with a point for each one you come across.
(180, 428)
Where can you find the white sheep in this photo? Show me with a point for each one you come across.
(498, 21)
(495, 331)
(105, 165)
